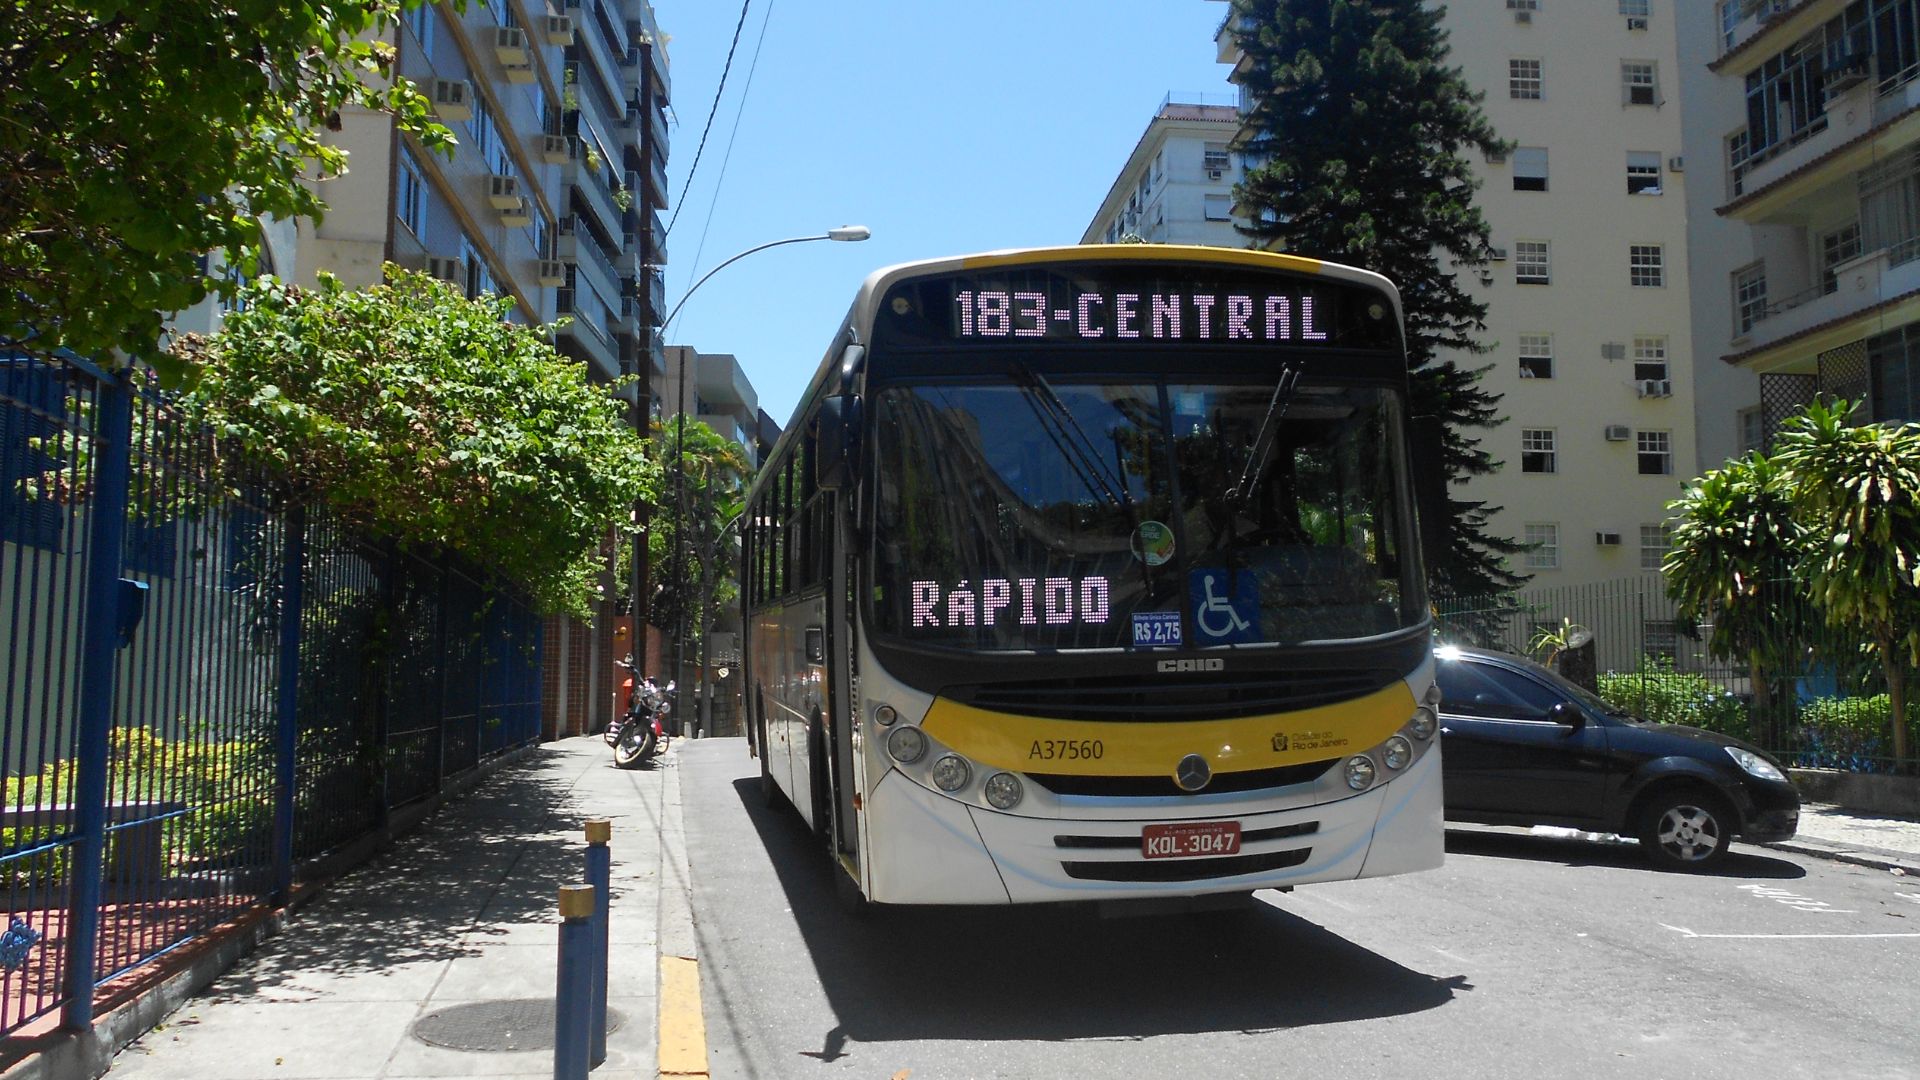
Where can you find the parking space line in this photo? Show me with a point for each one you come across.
(1684, 932)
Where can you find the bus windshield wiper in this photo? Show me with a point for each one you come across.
(1256, 467)
(1067, 434)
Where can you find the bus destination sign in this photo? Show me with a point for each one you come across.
(1117, 315)
(1118, 305)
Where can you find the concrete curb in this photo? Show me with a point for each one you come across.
(683, 1038)
(67, 1055)
(1896, 862)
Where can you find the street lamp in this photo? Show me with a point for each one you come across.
(845, 234)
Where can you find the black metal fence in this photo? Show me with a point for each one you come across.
(200, 687)
(1822, 704)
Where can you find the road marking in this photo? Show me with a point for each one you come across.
(1913, 896)
(1795, 900)
(1684, 932)
(683, 1029)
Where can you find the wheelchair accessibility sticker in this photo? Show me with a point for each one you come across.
(1226, 606)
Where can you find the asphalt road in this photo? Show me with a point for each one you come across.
(1525, 956)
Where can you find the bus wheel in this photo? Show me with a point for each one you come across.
(769, 791)
(822, 789)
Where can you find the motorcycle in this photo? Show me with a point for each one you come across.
(641, 733)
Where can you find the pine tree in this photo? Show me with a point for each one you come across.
(1356, 149)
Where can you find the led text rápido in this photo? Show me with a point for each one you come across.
(1054, 601)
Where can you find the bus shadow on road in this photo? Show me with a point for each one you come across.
(1575, 851)
(1065, 972)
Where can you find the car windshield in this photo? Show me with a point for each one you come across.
(1052, 513)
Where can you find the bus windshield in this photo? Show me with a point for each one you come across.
(1043, 513)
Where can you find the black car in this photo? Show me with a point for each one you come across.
(1523, 746)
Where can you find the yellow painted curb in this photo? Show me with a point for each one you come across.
(683, 1028)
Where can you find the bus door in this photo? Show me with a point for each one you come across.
(840, 708)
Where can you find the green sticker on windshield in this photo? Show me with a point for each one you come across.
(1153, 543)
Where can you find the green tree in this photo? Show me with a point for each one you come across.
(1360, 132)
(141, 135)
(714, 492)
(1856, 491)
(431, 419)
(1735, 547)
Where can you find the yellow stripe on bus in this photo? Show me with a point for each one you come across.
(1106, 748)
(1269, 260)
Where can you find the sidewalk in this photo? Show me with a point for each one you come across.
(461, 913)
(1884, 843)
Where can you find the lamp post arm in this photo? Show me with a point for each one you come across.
(688, 295)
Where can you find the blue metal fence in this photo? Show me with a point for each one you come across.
(201, 684)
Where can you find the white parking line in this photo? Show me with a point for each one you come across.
(1684, 932)
(1795, 901)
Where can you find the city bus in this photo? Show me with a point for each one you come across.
(1094, 573)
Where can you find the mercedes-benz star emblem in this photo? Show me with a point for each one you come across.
(1192, 773)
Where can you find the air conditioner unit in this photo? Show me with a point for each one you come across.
(1651, 387)
(553, 149)
(1846, 71)
(1215, 174)
(1613, 350)
(453, 100)
(1619, 433)
(1636, 22)
(1676, 163)
(1497, 254)
(553, 273)
(521, 214)
(559, 30)
(1660, 388)
(1523, 16)
(510, 45)
(444, 268)
(503, 192)
(1607, 539)
(1496, 157)
(520, 74)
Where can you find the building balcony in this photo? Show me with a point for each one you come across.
(1770, 27)
(657, 135)
(653, 287)
(590, 40)
(1864, 124)
(724, 387)
(595, 188)
(574, 241)
(657, 182)
(587, 336)
(1810, 322)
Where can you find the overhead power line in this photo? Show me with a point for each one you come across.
(682, 200)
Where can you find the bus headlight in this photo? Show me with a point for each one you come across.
(1360, 772)
(1423, 723)
(950, 773)
(1396, 753)
(907, 745)
(1003, 791)
(885, 716)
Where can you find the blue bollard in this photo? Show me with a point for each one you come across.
(600, 876)
(574, 992)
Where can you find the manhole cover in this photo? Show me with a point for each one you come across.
(495, 1026)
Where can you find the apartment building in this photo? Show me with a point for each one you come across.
(551, 197)
(717, 393)
(1588, 304)
(1177, 185)
(1806, 226)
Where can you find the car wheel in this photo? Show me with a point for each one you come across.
(1685, 830)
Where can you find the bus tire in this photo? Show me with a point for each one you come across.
(822, 792)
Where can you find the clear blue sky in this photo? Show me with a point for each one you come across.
(945, 126)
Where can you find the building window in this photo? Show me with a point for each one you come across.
(1219, 207)
(1893, 374)
(1655, 542)
(1750, 295)
(420, 21)
(412, 195)
(1215, 159)
(1646, 266)
(1659, 641)
(1638, 9)
(1737, 162)
(1786, 99)
(1536, 356)
(1650, 358)
(1729, 21)
(1638, 83)
(1643, 172)
(1543, 546)
(1523, 79)
(1656, 453)
(1890, 206)
(1523, 5)
(1837, 247)
(480, 277)
(1532, 262)
(1530, 168)
(1753, 430)
(1537, 450)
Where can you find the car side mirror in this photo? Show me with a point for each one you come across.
(1565, 712)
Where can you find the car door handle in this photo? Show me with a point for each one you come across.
(1446, 731)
